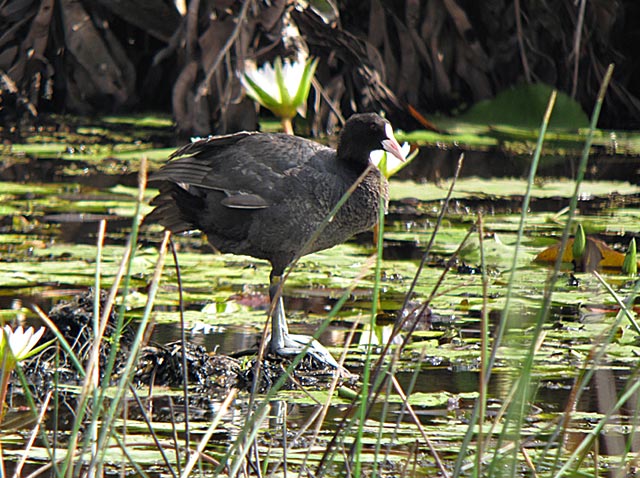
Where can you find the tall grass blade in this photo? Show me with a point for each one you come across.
(193, 459)
(123, 384)
(487, 367)
(364, 393)
(517, 412)
(183, 341)
(17, 473)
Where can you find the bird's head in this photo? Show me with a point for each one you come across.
(364, 133)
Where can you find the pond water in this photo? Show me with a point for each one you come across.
(55, 192)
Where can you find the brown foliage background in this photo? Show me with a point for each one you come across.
(406, 57)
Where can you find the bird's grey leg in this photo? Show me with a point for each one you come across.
(279, 328)
(284, 343)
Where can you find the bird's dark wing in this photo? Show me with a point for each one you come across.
(248, 167)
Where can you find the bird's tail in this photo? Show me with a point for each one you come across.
(175, 208)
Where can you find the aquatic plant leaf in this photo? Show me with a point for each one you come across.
(140, 121)
(507, 187)
(611, 259)
(524, 105)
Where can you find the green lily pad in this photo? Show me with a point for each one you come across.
(525, 106)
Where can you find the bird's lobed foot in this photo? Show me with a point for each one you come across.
(293, 344)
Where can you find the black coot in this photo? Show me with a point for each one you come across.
(264, 195)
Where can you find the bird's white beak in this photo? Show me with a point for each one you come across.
(390, 144)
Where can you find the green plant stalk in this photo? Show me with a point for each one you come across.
(382, 420)
(380, 376)
(510, 285)
(117, 333)
(133, 238)
(152, 432)
(135, 226)
(61, 340)
(400, 323)
(350, 420)
(208, 434)
(97, 294)
(623, 307)
(83, 401)
(582, 449)
(265, 462)
(410, 388)
(34, 410)
(366, 373)
(630, 445)
(588, 372)
(5, 373)
(109, 419)
(484, 353)
(56, 404)
(523, 218)
(432, 239)
(183, 341)
(381, 370)
(524, 380)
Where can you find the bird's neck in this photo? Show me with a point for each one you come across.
(355, 158)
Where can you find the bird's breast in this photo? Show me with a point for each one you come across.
(358, 214)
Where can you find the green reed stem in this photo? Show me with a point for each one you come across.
(476, 417)
(524, 380)
(366, 373)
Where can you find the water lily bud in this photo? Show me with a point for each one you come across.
(579, 244)
(630, 264)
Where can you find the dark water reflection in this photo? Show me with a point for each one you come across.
(552, 394)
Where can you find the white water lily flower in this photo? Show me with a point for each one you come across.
(388, 164)
(21, 342)
(282, 87)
